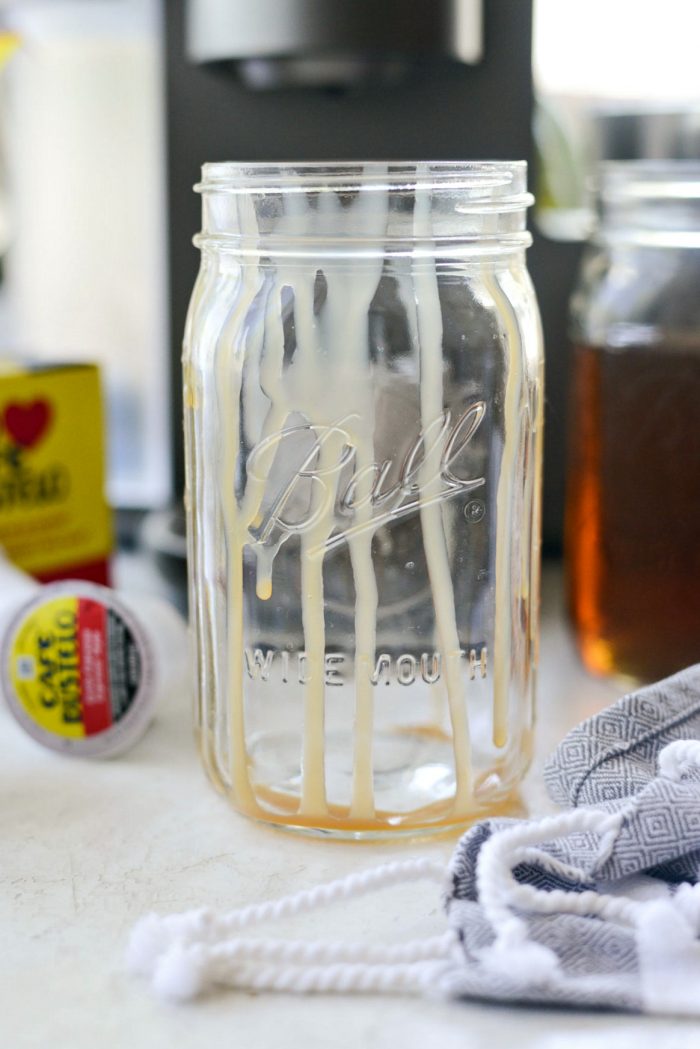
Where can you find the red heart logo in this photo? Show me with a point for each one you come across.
(27, 423)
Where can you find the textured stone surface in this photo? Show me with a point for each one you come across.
(85, 849)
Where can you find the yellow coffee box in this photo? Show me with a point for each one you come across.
(54, 519)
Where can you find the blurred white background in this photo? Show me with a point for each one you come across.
(85, 202)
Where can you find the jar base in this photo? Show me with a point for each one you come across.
(416, 827)
(414, 788)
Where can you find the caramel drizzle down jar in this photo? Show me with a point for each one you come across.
(363, 418)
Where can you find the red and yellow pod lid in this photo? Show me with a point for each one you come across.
(77, 670)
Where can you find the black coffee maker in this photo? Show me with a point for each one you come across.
(332, 79)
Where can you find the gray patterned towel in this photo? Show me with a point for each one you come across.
(598, 906)
(607, 891)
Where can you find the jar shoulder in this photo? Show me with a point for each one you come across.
(627, 292)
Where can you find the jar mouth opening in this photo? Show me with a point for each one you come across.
(501, 180)
(354, 207)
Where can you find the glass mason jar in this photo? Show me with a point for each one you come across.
(363, 413)
(633, 503)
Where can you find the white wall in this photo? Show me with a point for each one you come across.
(87, 257)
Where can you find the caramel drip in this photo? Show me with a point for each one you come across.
(505, 496)
(329, 384)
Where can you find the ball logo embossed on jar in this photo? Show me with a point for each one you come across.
(389, 499)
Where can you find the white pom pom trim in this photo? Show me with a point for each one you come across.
(527, 963)
(149, 939)
(179, 974)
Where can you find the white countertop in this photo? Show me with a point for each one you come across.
(86, 848)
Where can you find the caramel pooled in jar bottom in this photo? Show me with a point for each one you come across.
(281, 809)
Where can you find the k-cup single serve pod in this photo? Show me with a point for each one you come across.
(82, 666)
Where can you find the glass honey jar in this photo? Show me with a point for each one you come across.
(632, 531)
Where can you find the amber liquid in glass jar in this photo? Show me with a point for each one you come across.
(633, 508)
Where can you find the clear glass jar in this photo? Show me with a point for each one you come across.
(633, 501)
(363, 413)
